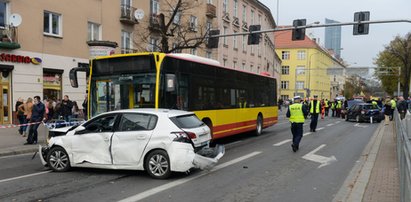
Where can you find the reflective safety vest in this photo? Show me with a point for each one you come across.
(393, 104)
(296, 113)
(332, 105)
(374, 103)
(339, 104)
(326, 104)
(317, 107)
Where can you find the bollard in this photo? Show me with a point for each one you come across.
(371, 119)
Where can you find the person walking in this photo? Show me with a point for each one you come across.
(66, 108)
(37, 116)
(314, 111)
(297, 113)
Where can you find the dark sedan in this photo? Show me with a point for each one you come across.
(363, 112)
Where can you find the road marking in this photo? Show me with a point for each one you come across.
(18, 155)
(170, 185)
(360, 126)
(323, 160)
(331, 124)
(337, 122)
(320, 128)
(24, 176)
(282, 142)
(305, 134)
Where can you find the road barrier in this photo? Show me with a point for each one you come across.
(403, 131)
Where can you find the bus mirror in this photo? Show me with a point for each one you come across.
(171, 81)
(73, 78)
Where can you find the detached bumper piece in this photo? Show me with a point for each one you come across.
(207, 158)
(43, 154)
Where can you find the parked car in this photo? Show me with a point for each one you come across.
(348, 105)
(159, 141)
(363, 112)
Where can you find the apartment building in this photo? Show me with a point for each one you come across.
(308, 69)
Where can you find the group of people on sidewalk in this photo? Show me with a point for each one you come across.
(32, 112)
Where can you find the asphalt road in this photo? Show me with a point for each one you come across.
(262, 168)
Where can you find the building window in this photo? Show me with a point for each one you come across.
(284, 84)
(193, 23)
(52, 83)
(52, 24)
(225, 38)
(225, 6)
(3, 13)
(234, 64)
(259, 19)
(244, 43)
(208, 54)
(153, 44)
(244, 13)
(243, 66)
(93, 32)
(285, 70)
(194, 51)
(125, 42)
(285, 55)
(224, 62)
(300, 70)
(235, 8)
(235, 45)
(210, 1)
(301, 55)
(299, 85)
(177, 17)
(252, 17)
(155, 7)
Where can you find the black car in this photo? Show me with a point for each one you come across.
(349, 104)
(363, 112)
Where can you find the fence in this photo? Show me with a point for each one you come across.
(403, 131)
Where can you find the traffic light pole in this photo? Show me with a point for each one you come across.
(312, 26)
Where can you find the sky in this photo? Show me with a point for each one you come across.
(357, 51)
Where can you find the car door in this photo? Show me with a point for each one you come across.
(351, 111)
(131, 137)
(92, 145)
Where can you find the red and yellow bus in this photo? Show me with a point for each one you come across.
(229, 101)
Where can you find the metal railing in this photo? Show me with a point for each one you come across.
(403, 131)
(8, 33)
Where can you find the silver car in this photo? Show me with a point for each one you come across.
(159, 141)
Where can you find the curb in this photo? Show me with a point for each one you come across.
(11, 152)
(355, 184)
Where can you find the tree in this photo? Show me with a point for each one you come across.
(174, 28)
(352, 86)
(395, 56)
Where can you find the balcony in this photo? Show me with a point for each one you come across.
(211, 11)
(9, 37)
(127, 15)
(154, 23)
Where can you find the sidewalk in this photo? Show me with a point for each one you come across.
(376, 176)
(12, 143)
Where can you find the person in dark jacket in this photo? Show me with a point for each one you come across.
(37, 116)
(66, 108)
(85, 104)
(20, 114)
(297, 113)
(402, 107)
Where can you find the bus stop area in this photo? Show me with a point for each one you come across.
(376, 179)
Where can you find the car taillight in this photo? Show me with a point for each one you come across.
(182, 136)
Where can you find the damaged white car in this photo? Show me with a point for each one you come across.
(159, 141)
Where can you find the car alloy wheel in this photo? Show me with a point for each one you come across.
(158, 164)
(58, 159)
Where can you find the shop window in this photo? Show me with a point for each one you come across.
(52, 84)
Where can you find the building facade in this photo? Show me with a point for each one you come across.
(42, 41)
(307, 69)
(333, 38)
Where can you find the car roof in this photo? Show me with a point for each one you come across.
(160, 111)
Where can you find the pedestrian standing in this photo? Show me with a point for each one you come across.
(333, 104)
(297, 113)
(20, 114)
(36, 117)
(50, 110)
(402, 107)
(314, 111)
(28, 108)
(327, 106)
(85, 105)
(338, 107)
(387, 110)
(75, 110)
(66, 108)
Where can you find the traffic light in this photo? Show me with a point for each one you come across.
(361, 28)
(254, 38)
(213, 41)
(299, 34)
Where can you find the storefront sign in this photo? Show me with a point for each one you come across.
(19, 59)
(96, 51)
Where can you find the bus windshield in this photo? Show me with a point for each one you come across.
(122, 83)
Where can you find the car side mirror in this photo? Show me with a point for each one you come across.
(79, 130)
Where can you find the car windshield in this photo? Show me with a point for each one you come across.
(370, 107)
(187, 121)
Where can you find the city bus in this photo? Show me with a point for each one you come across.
(229, 101)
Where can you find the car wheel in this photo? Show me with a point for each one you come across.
(357, 118)
(157, 164)
(58, 160)
(259, 127)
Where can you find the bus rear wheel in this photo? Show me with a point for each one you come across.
(259, 126)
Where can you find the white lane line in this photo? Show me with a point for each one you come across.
(337, 122)
(305, 134)
(24, 176)
(282, 142)
(331, 124)
(320, 128)
(170, 185)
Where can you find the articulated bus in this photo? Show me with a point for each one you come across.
(229, 101)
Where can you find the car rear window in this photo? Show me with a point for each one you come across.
(187, 121)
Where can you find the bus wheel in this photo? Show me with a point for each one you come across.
(259, 128)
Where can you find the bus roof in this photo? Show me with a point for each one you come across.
(194, 58)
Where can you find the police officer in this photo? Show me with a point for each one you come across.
(314, 111)
(297, 113)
